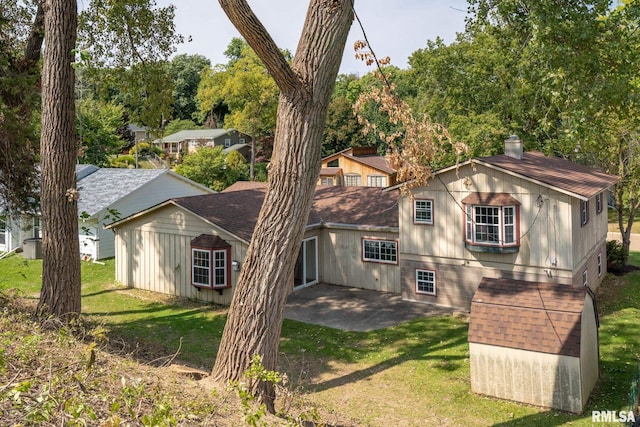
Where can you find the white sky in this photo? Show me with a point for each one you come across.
(395, 28)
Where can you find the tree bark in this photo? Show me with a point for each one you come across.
(256, 312)
(61, 292)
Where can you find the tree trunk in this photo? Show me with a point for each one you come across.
(255, 316)
(60, 294)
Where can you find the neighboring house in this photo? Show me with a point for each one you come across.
(110, 193)
(188, 141)
(105, 195)
(194, 246)
(535, 343)
(357, 167)
(140, 133)
(14, 230)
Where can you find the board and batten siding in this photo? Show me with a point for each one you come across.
(545, 227)
(153, 253)
(341, 261)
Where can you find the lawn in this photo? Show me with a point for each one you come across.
(414, 374)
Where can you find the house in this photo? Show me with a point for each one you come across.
(106, 194)
(534, 342)
(140, 133)
(520, 216)
(357, 166)
(194, 246)
(188, 141)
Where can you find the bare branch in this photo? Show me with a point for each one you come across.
(250, 27)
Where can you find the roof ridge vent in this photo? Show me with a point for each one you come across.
(513, 147)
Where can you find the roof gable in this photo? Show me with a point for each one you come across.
(533, 316)
(196, 134)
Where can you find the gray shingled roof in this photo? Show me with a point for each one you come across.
(196, 134)
(104, 187)
(533, 316)
(236, 209)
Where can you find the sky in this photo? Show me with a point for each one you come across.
(395, 28)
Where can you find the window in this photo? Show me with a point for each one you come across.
(423, 211)
(326, 181)
(376, 181)
(37, 230)
(426, 282)
(584, 212)
(599, 264)
(491, 223)
(585, 278)
(210, 266)
(352, 180)
(3, 233)
(241, 140)
(598, 203)
(201, 267)
(380, 251)
(227, 142)
(333, 163)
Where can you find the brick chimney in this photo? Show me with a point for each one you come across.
(513, 147)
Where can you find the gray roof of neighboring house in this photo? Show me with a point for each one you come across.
(103, 187)
(84, 170)
(235, 147)
(134, 127)
(184, 135)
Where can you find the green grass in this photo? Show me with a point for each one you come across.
(416, 373)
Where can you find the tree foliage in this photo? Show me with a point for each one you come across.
(128, 43)
(211, 167)
(98, 124)
(185, 72)
(21, 35)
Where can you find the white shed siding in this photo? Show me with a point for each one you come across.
(154, 254)
(589, 349)
(541, 379)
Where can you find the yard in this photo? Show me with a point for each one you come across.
(414, 374)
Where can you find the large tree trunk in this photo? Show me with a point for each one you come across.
(60, 294)
(255, 316)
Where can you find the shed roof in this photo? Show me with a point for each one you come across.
(533, 316)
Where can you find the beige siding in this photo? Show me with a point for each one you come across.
(154, 254)
(540, 379)
(590, 264)
(550, 248)
(341, 261)
(349, 166)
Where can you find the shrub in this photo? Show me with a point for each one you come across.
(616, 256)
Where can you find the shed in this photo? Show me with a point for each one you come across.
(534, 342)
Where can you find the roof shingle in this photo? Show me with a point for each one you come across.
(533, 316)
(563, 174)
